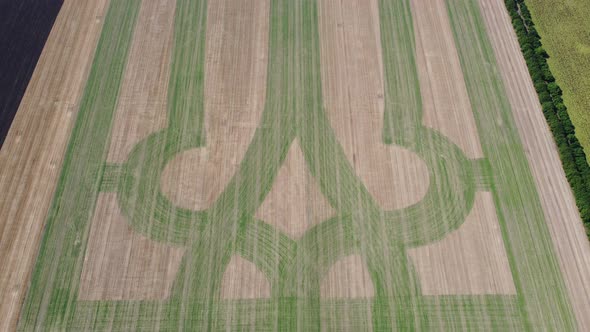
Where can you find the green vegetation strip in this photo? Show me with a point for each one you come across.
(52, 296)
(441, 313)
(571, 152)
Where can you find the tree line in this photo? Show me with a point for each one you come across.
(571, 152)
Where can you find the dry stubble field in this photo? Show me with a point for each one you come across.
(287, 165)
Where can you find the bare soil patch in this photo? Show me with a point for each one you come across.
(348, 278)
(445, 100)
(235, 88)
(243, 280)
(141, 108)
(352, 82)
(471, 260)
(120, 264)
(295, 202)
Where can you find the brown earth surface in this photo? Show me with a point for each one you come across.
(565, 226)
(445, 100)
(120, 264)
(470, 260)
(32, 155)
(141, 108)
(352, 83)
(295, 203)
(243, 280)
(235, 89)
(347, 278)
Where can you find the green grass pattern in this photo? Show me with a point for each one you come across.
(294, 110)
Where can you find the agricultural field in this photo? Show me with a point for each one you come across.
(565, 31)
(269, 165)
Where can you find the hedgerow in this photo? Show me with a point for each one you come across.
(571, 152)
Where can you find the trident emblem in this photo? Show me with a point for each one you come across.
(294, 110)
